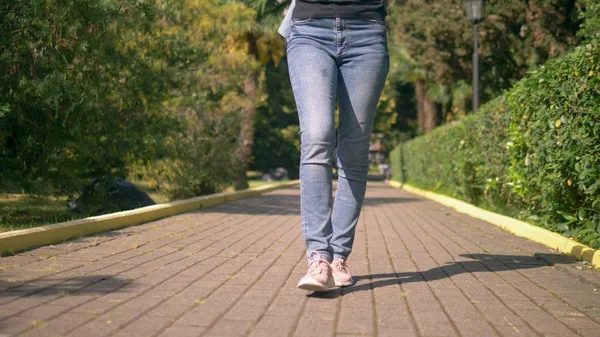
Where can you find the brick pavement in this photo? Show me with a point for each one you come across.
(231, 270)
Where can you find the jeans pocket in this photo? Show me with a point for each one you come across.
(300, 21)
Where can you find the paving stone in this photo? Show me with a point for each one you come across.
(144, 326)
(59, 326)
(95, 328)
(183, 331)
(267, 333)
(16, 325)
(44, 312)
(230, 328)
(393, 316)
(203, 315)
(395, 332)
(285, 324)
(315, 325)
(245, 311)
(284, 310)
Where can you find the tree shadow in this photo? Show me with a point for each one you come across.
(284, 204)
(91, 284)
(481, 263)
(375, 177)
(389, 201)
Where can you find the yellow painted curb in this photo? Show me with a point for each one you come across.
(517, 227)
(19, 240)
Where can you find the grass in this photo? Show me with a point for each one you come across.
(373, 169)
(19, 211)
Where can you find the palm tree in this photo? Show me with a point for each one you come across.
(262, 32)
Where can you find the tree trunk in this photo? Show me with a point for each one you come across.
(246, 139)
(420, 93)
(430, 115)
(427, 114)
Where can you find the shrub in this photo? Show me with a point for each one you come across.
(204, 157)
(98, 90)
(81, 88)
(591, 19)
(533, 153)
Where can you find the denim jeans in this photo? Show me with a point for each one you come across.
(347, 60)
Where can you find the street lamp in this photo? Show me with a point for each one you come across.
(475, 9)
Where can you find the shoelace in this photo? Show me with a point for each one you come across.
(315, 267)
(341, 265)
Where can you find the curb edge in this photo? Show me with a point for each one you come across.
(517, 227)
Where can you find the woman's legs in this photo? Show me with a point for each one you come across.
(346, 58)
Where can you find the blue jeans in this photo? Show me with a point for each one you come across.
(345, 59)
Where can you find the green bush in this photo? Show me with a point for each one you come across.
(203, 155)
(590, 28)
(118, 88)
(532, 153)
(81, 91)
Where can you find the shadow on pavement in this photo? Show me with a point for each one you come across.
(93, 284)
(284, 204)
(482, 263)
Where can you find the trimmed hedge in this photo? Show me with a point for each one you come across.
(532, 153)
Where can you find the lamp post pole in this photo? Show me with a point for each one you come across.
(475, 13)
(475, 68)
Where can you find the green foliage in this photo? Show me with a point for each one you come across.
(109, 88)
(433, 41)
(203, 157)
(81, 88)
(591, 20)
(533, 153)
(202, 154)
(386, 116)
(277, 138)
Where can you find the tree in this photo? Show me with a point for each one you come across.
(277, 137)
(516, 36)
(103, 89)
(263, 44)
(202, 153)
(81, 85)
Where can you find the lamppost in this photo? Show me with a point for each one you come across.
(475, 9)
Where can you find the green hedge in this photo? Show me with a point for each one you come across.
(532, 153)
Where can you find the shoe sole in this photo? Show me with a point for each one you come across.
(315, 286)
(341, 285)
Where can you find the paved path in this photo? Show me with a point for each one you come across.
(231, 270)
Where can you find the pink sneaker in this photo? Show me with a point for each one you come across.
(340, 273)
(319, 276)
